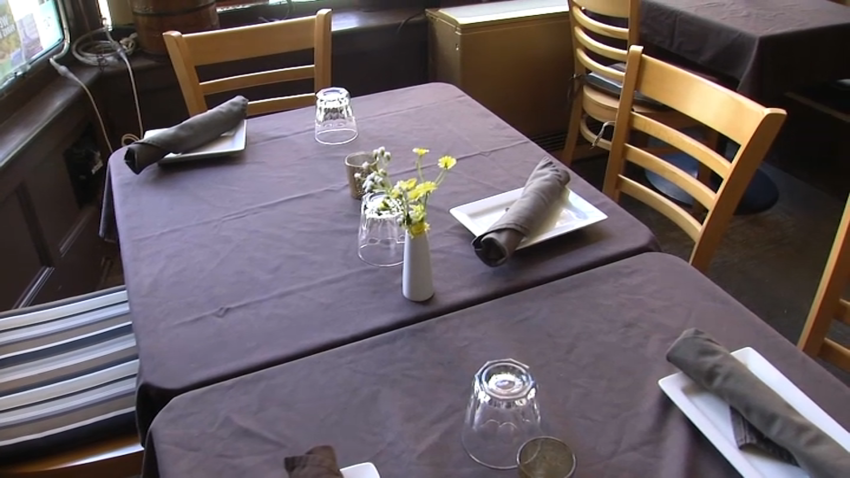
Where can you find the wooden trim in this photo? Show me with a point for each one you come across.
(256, 79)
(121, 456)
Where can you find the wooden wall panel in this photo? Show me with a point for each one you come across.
(19, 259)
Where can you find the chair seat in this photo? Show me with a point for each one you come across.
(67, 377)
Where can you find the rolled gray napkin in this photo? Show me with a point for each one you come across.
(711, 366)
(318, 462)
(188, 135)
(542, 190)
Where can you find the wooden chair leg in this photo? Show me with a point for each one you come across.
(572, 130)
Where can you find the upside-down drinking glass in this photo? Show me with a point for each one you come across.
(381, 239)
(334, 117)
(502, 415)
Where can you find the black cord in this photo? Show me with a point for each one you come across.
(406, 20)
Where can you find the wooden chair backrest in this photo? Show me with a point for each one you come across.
(588, 30)
(829, 304)
(743, 121)
(189, 51)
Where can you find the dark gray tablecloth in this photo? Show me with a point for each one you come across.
(595, 342)
(235, 265)
(769, 46)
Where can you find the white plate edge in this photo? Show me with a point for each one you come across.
(367, 467)
(460, 213)
(240, 137)
(674, 384)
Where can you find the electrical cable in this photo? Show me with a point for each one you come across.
(102, 53)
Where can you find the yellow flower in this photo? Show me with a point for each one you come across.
(421, 151)
(447, 162)
(417, 212)
(419, 228)
(422, 190)
(406, 185)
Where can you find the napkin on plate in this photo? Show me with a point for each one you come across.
(188, 135)
(542, 191)
(711, 366)
(319, 462)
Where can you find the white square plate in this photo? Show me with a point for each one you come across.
(710, 415)
(363, 470)
(572, 213)
(229, 143)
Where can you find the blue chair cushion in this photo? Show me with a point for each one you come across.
(67, 374)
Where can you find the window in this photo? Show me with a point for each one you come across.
(28, 29)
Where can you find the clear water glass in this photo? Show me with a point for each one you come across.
(503, 414)
(334, 117)
(546, 457)
(381, 239)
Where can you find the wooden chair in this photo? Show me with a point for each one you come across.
(189, 51)
(828, 304)
(743, 121)
(67, 382)
(596, 59)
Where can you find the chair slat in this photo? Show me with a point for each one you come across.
(599, 68)
(683, 143)
(257, 79)
(685, 181)
(662, 205)
(736, 116)
(265, 39)
(189, 51)
(835, 353)
(272, 105)
(611, 8)
(32, 315)
(598, 27)
(598, 47)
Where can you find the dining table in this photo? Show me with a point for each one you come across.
(237, 264)
(594, 343)
(767, 47)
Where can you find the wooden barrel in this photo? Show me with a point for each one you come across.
(154, 17)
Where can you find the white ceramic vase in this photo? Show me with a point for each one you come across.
(416, 281)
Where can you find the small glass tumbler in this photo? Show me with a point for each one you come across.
(546, 457)
(381, 239)
(358, 163)
(502, 415)
(334, 118)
